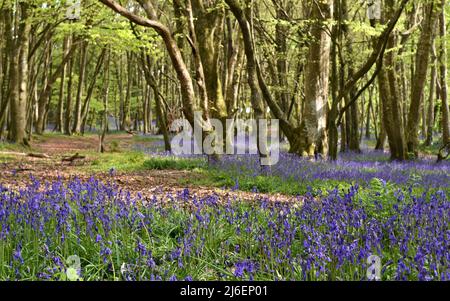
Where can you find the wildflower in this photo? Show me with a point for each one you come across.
(141, 249)
(17, 255)
(173, 278)
(105, 252)
(112, 172)
(98, 238)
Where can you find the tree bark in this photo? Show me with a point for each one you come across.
(104, 129)
(316, 83)
(430, 112)
(252, 76)
(20, 79)
(78, 104)
(68, 104)
(44, 96)
(419, 79)
(60, 121)
(443, 78)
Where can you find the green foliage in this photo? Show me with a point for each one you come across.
(379, 198)
(12, 147)
(264, 184)
(128, 161)
(173, 163)
(114, 146)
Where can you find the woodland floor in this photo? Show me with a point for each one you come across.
(18, 168)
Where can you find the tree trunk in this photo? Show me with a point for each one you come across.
(443, 78)
(316, 83)
(90, 91)
(252, 77)
(78, 104)
(389, 97)
(68, 112)
(42, 102)
(208, 31)
(20, 80)
(45, 95)
(104, 122)
(420, 74)
(60, 121)
(369, 109)
(160, 114)
(282, 32)
(7, 68)
(430, 113)
(126, 117)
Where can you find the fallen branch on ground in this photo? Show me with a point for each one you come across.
(33, 155)
(132, 132)
(38, 155)
(13, 153)
(22, 170)
(73, 158)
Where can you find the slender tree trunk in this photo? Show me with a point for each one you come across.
(379, 119)
(160, 114)
(281, 34)
(150, 110)
(42, 102)
(369, 108)
(104, 129)
(333, 134)
(145, 108)
(46, 93)
(68, 112)
(252, 77)
(60, 121)
(78, 104)
(352, 120)
(90, 91)
(430, 113)
(126, 121)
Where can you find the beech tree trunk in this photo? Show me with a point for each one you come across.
(443, 78)
(316, 83)
(420, 74)
(19, 81)
(389, 96)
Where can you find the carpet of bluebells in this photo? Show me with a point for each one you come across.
(354, 168)
(46, 227)
(349, 168)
